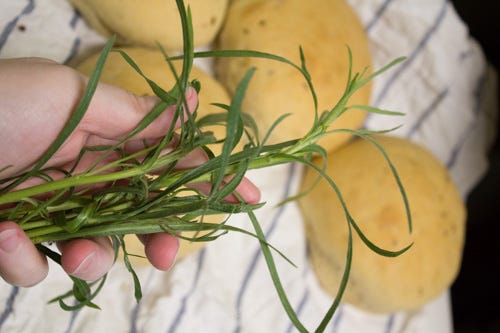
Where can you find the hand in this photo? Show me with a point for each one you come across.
(37, 97)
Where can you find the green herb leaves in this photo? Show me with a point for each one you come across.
(135, 202)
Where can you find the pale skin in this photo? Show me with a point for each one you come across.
(37, 97)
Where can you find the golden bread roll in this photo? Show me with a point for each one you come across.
(151, 62)
(324, 29)
(149, 22)
(381, 284)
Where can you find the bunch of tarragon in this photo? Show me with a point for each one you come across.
(134, 202)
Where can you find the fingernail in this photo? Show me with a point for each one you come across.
(85, 264)
(9, 240)
(190, 91)
(176, 255)
(166, 151)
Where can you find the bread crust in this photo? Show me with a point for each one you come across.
(381, 284)
(148, 22)
(324, 29)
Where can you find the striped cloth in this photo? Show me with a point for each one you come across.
(445, 87)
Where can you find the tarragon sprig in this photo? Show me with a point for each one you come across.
(134, 202)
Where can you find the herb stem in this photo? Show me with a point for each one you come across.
(90, 179)
(172, 223)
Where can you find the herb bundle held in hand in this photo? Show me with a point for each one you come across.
(32, 120)
(88, 184)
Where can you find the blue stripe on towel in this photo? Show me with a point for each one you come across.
(72, 321)
(74, 19)
(427, 112)
(182, 308)
(305, 295)
(300, 307)
(9, 306)
(75, 47)
(337, 319)
(420, 46)
(378, 14)
(390, 324)
(12, 24)
(257, 254)
(137, 308)
(455, 152)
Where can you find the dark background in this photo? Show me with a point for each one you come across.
(476, 292)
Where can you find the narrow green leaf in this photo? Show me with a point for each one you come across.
(233, 129)
(275, 276)
(375, 248)
(157, 90)
(373, 109)
(380, 71)
(342, 287)
(130, 268)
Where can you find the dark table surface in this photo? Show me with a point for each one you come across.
(476, 292)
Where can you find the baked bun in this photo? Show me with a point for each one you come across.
(382, 284)
(149, 22)
(152, 63)
(324, 29)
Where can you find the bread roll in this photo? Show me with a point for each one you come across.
(324, 29)
(148, 22)
(381, 284)
(152, 63)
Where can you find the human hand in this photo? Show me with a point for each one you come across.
(37, 98)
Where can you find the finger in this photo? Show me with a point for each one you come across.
(87, 259)
(114, 112)
(246, 191)
(161, 249)
(193, 159)
(21, 264)
(136, 145)
(90, 160)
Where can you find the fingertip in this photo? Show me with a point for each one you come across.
(246, 191)
(249, 192)
(161, 249)
(11, 236)
(191, 102)
(21, 264)
(191, 99)
(87, 259)
(193, 159)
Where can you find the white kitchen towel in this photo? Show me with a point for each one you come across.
(445, 87)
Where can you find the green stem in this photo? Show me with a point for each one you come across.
(173, 223)
(264, 161)
(87, 179)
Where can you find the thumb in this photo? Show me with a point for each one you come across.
(114, 112)
(20, 262)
